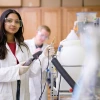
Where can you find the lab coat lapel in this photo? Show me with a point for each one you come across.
(8, 48)
(18, 55)
(33, 43)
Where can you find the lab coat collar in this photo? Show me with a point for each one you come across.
(33, 44)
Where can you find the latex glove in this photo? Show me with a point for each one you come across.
(23, 69)
(51, 50)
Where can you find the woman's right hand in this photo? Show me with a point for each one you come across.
(23, 69)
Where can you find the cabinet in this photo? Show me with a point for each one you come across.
(31, 3)
(52, 18)
(10, 3)
(91, 2)
(51, 3)
(0, 12)
(93, 9)
(3, 9)
(72, 3)
(31, 21)
(33, 17)
(68, 18)
(60, 20)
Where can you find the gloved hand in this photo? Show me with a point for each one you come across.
(23, 69)
(49, 49)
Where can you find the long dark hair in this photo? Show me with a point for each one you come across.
(3, 38)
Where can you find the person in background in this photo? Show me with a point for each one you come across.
(35, 44)
(14, 76)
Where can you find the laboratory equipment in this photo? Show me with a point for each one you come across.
(70, 54)
(89, 82)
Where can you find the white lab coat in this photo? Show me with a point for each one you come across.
(9, 74)
(35, 82)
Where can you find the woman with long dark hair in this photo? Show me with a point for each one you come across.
(14, 77)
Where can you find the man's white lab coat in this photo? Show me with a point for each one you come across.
(9, 74)
(35, 82)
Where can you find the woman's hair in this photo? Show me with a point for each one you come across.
(3, 37)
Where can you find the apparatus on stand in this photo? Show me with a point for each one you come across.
(88, 87)
(70, 54)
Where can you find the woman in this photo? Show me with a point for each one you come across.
(14, 77)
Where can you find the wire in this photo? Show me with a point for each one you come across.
(42, 92)
(46, 77)
(41, 74)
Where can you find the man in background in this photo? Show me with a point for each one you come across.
(37, 43)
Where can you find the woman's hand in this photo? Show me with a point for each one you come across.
(23, 69)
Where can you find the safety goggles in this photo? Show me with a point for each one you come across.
(43, 36)
(9, 21)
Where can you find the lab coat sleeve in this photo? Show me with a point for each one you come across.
(9, 74)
